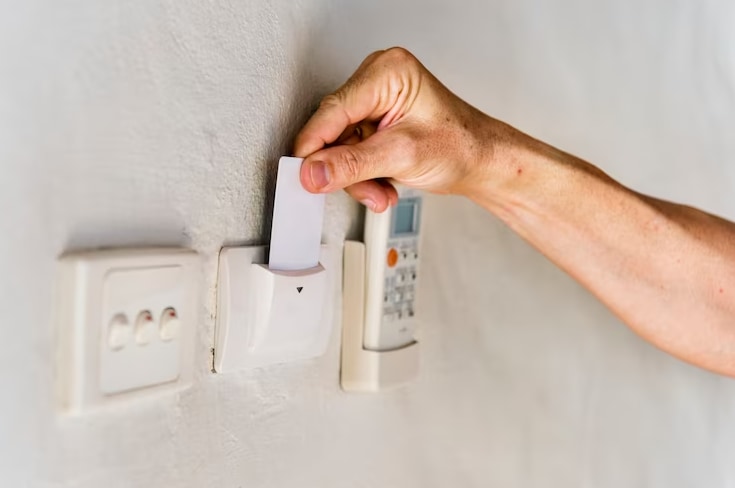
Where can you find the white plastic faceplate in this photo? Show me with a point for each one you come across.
(267, 317)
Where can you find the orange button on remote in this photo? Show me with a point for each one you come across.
(392, 258)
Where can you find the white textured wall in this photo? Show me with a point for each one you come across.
(159, 123)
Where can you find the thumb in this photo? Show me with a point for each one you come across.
(338, 167)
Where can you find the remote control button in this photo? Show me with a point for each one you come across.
(392, 258)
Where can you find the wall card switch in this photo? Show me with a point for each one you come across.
(267, 316)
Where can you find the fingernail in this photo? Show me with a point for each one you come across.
(369, 203)
(319, 174)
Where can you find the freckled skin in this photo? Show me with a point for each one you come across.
(663, 268)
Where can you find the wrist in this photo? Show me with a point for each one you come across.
(518, 175)
(504, 161)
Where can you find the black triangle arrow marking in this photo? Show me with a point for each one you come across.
(299, 288)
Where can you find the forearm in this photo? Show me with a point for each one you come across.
(666, 270)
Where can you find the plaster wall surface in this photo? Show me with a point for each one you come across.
(146, 123)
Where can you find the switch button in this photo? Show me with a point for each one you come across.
(170, 324)
(118, 333)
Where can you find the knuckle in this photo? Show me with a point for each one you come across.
(349, 164)
(331, 100)
(374, 55)
(399, 55)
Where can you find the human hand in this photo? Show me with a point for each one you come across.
(392, 121)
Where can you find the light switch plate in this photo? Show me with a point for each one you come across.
(126, 323)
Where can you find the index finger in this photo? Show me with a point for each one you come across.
(355, 101)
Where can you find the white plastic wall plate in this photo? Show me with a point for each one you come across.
(365, 370)
(126, 324)
(267, 317)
